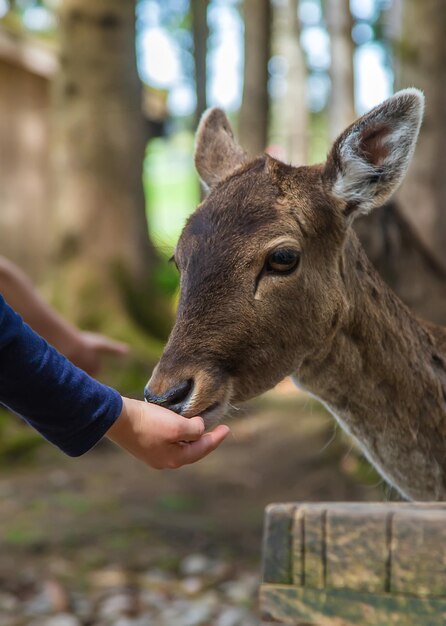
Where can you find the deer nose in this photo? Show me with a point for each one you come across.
(174, 398)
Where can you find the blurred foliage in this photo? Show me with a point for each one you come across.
(172, 190)
(18, 442)
(318, 146)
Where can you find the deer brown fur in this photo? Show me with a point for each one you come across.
(330, 321)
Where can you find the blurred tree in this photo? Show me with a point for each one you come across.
(421, 61)
(341, 107)
(296, 111)
(101, 249)
(407, 239)
(254, 112)
(200, 32)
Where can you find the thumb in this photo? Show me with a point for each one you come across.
(204, 446)
(189, 429)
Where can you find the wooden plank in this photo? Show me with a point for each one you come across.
(277, 543)
(309, 607)
(357, 550)
(418, 553)
(314, 547)
(391, 507)
(297, 548)
(331, 564)
(347, 545)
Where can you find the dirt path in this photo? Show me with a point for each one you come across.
(69, 518)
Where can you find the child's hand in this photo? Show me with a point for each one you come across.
(89, 348)
(157, 436)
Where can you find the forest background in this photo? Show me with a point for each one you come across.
(98, 105)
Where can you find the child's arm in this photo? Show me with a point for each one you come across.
(84, 349)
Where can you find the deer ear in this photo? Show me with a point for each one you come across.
(217, 153)
(369, 160)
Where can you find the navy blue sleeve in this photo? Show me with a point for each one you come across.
(68, 407)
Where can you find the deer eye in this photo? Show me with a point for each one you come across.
(282, 261)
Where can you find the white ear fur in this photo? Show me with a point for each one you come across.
(369, 160)
(217, 154)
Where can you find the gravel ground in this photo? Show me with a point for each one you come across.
(204, 592)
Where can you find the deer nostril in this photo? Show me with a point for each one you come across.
(173, 398)
(179, 393)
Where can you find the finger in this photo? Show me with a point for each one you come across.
(113, 347)
(188, 429)
(202, 447)
(103, 343)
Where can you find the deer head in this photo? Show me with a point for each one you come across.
(261, 259)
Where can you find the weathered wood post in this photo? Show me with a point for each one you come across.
(355, 564)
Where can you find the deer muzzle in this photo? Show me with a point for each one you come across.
(190, 390)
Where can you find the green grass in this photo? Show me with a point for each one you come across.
(23, 536)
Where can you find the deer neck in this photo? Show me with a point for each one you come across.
(384, 378)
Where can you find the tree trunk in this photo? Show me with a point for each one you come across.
(102, 251)
(421, 62)
(200, 29)
(341, 110)
(407, 241)
(253, 119)
(296, 113)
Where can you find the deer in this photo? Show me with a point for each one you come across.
(274, 282)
